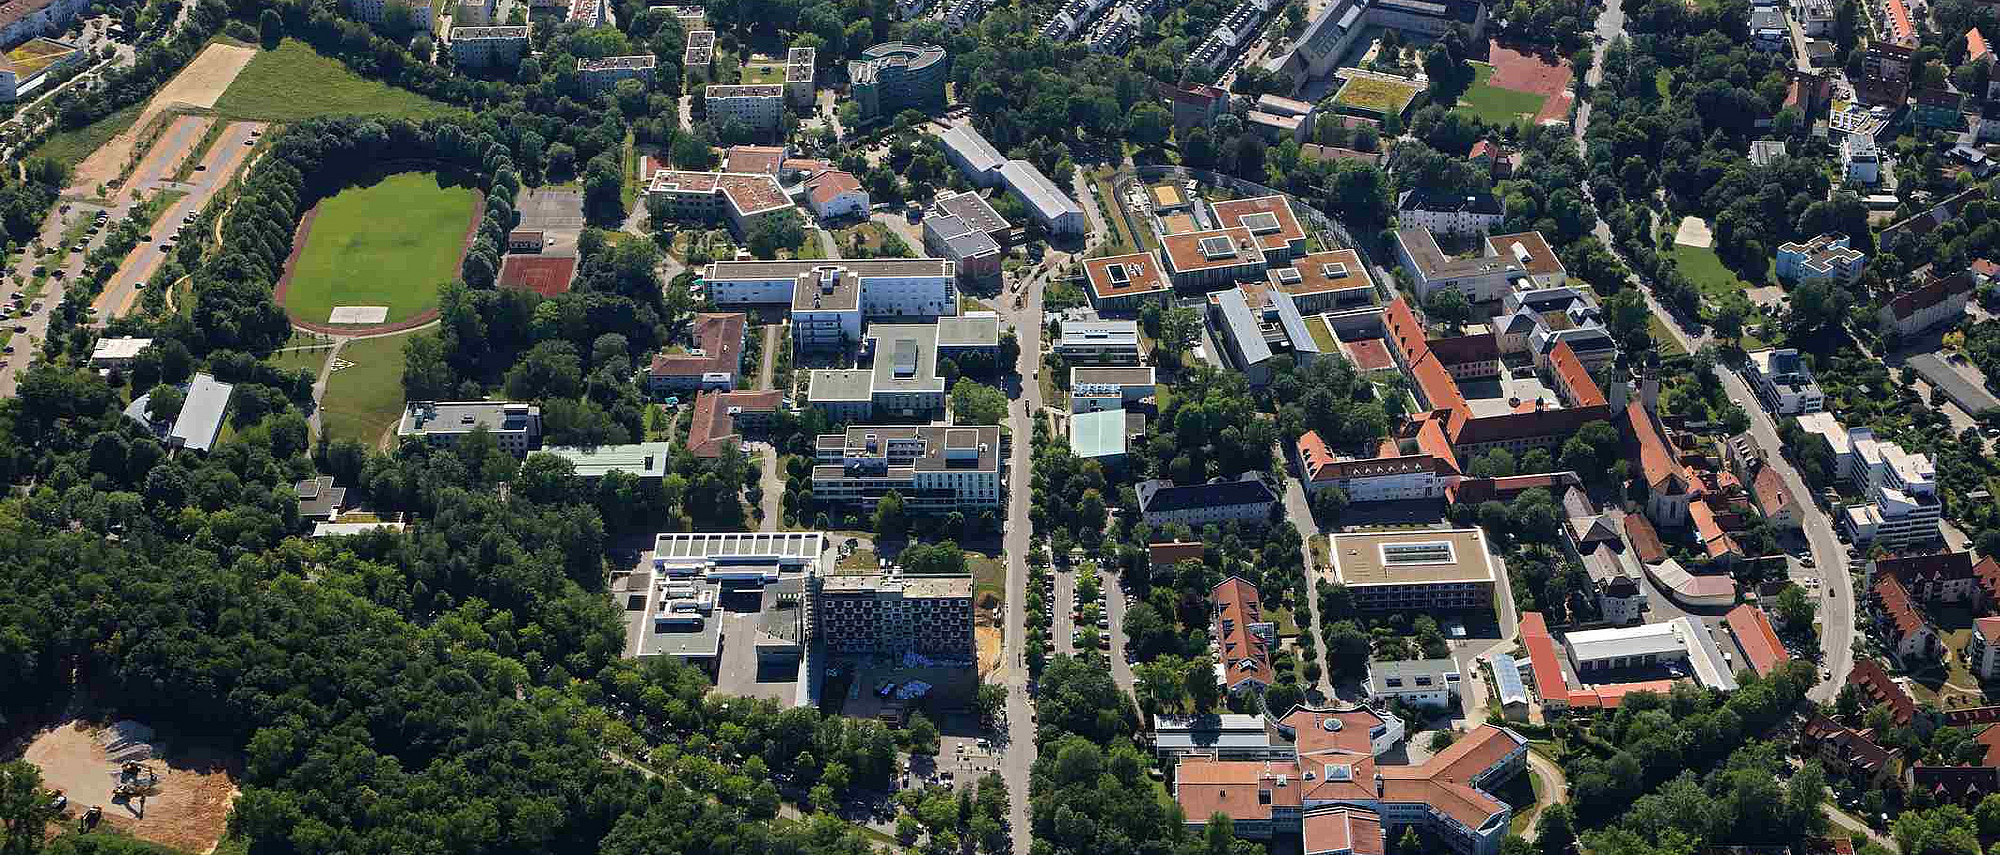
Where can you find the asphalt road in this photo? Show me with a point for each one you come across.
(1300, 513)
(1017, 756)
(219, 164)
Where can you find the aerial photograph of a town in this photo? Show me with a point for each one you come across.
(999, 427)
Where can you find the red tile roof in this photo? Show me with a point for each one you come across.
(1542, 656)
(1169, 553)
(1931, 293)
(828, 185)
(1351, 830)
(1896, 603)
(1975, 44)
(719, 336)
(1575, 378)
(1472, 491)
(1773, 497)
(1717, 542)
(714, 424)
(1753, 632)
(1645, 540)
(1461, 349)
(1657, 464)
(1879, 688)
(1244, 654)
(1611, 696)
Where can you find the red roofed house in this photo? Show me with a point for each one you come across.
(1845, 751)
(1170, 553)
(1774, 499)
(1877, 687)
(1976, 49)
(1753, 633)
(722, 416)
(1422, 473)
(1982, 651)
(833, 194)
(1243, 638)
(1939, 301)
(1907, 629)
(712, 363)
(1715, 542)
(1644, 539)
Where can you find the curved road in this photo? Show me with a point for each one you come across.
(1830, 556)
(1555, 790)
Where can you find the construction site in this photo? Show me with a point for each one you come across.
(118, 775)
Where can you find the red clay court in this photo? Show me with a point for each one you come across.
(1533, 73)
(1370, 354)
(547, 275)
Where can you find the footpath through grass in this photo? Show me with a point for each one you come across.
(294, 83)
(391, 243)
(365, 398)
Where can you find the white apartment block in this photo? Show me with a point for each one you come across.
(1449, 213)
(1982, 650)
(118, 352)
(1783, 383)
(517, 428)
(759, 107)
(599, 75)
(478, 47)
(831, 298)
(935, 469)
(376, 12)
(1901, 486)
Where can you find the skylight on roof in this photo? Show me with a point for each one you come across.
(1216, 247)
(1261, 223)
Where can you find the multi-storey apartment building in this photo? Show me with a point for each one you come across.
(1248, 498)
(718, 198)
(758, 106)
(422, 18)
(892, 77)
(478, 47)
(1416, 570)
(1783, 383)
(517, 428)
(600, 75)
(935, 469)
(894, 613)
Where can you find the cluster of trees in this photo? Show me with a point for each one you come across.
(1327, 396)
(1754, 797)
(1644, 745)
(1209, 428)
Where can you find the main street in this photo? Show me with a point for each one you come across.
(1018, 755)
(1830, 556)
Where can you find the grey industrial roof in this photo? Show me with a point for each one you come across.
(906, 358)
(698, 546)
(1210, 732)
(964, 240)
(1294, 323)
(1037, 190)
(1969, 395)
(1242, 326)
(980, 331)
(644, 459)
(973, 209)
(1507, 678)
(972, 147)
(427, 417)
(201, 413)
(1098, 333)
(841, 384)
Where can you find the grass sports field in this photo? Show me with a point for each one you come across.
(294, 83)
(1494, 105)
(366, 397)
(391, 243)
(1374, 95)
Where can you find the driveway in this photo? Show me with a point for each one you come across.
(219, 165)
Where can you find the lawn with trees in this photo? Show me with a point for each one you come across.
(295, 82)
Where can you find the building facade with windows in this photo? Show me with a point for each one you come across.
(935, 469)
(894, 613)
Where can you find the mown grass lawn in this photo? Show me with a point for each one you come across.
(295, 82)
(364, 399)
(391, 243)
(1494, 105)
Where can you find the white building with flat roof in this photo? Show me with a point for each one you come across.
(478, 47)
(1417, 682)
(600, 75)
(935, 469)
(758, 106)
(1681, 642)
(647, 461)
(739, 556)
(517, 427)
(1099, 342)
(117, 352)
(1783, 383)
(1415, 570)
(1901, 486)
(200, 421)
(969, 150)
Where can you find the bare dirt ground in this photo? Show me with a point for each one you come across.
(198, 85)
(189, 809)
(989, 641)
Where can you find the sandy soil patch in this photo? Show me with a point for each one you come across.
(990, 642)
(187, 811)
(1693, 231)
(198, 85)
